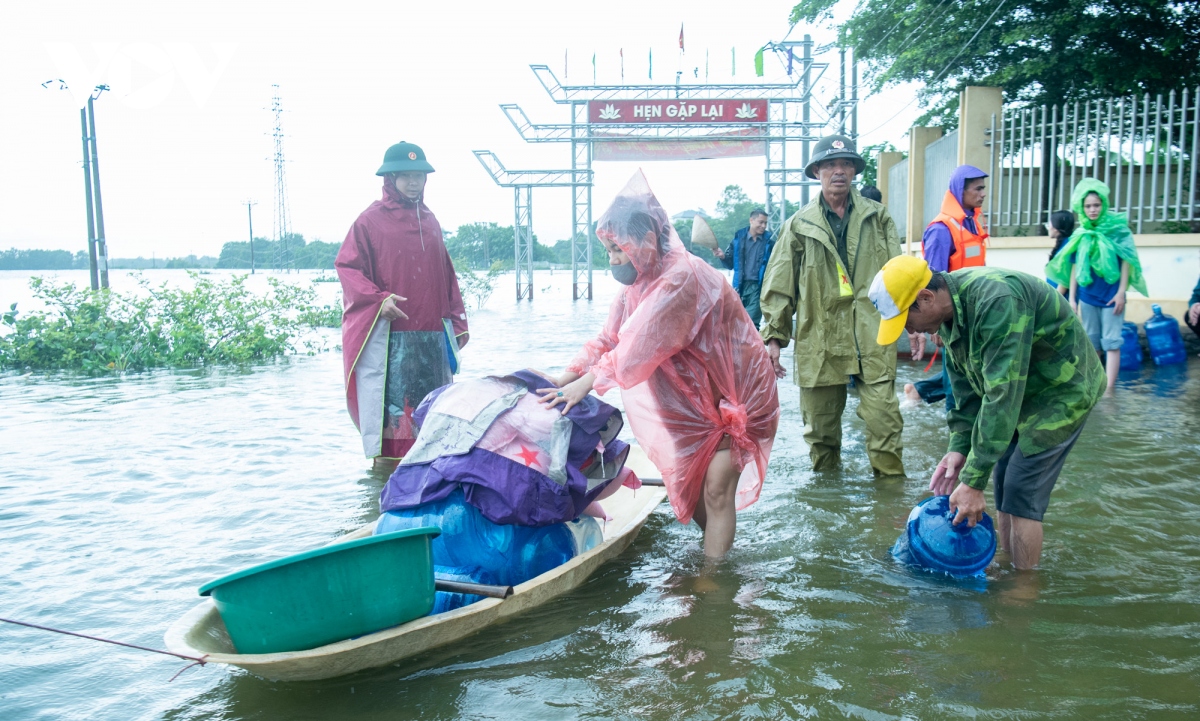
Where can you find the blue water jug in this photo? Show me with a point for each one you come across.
(1131, 348)
(933, 542)
(1166, 344)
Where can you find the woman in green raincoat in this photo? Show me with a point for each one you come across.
(1099, 262)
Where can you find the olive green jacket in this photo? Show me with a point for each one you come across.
(835, 325)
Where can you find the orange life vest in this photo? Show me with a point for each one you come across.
(970, 249)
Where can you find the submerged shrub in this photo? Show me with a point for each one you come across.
(215, 322)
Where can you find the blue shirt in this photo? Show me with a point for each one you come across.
(1099, 292)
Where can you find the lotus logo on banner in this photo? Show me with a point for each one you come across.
(746, 112)
(609, 113)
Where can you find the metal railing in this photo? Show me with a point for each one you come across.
(1144, 148)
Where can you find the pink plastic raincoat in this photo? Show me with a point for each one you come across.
(691, 366)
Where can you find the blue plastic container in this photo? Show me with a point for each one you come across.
(473, 548)
(932, 542)
(1131, 348)
(1166, 344)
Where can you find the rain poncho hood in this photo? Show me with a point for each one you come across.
(690, 365)
(1097, 246)
(395, 247)
(959, 178)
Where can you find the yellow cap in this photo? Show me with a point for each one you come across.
(893, 292)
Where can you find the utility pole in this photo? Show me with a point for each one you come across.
(250, 217)
(101, 244)
(87, 185)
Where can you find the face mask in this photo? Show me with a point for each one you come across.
(625, 274)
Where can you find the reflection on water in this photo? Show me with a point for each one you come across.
(119, 498)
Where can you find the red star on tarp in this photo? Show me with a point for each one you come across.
(527, 455)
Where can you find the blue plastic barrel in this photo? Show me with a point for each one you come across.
(1131, 348)
(933, 542)
(1166, 344)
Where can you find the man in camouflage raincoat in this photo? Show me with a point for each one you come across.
(1024, 377)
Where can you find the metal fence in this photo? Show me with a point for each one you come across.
(941, 158)
(897, 200)
(1143, 148)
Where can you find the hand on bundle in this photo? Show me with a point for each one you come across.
(569, 394)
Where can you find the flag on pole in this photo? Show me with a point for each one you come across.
(622, 51)
(733, 61)
(565, 76)
(758, 62)
(790, 62)
(593, 68)
(706, 63)
(681, 37)
(651, 63)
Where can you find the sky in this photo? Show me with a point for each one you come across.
(185, 131)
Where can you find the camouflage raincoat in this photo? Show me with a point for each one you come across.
(1019, 362)
(836, 325)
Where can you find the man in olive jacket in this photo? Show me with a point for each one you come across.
(820, 271)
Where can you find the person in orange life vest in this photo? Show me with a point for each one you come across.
(955, 239)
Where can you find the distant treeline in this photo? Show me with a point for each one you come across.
(295, 252)
(476, 245)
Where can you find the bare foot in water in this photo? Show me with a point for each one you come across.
(705, 584)
(911, 397)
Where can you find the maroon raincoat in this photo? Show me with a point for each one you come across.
(394, 248)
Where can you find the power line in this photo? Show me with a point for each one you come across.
(944, 70)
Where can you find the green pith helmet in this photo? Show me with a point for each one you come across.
(834, 146)
(404, 156)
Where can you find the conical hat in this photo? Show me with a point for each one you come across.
(702, 234)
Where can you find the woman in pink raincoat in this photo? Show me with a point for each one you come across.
(697, 385)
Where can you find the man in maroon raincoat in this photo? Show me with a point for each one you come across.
(404, 319)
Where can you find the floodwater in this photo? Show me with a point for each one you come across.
(120, 497)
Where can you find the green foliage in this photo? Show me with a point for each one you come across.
(479, 246)
(14, 259)
(1038, 51)
(300, 253)
(477, 287)
(1176, 226)
(215, 322)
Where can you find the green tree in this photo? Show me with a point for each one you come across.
(1038, 51)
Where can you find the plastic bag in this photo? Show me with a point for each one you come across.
(472, 548)
(691, 366)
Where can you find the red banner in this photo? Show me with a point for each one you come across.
(617, 112)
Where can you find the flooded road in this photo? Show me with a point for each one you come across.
(120, 497)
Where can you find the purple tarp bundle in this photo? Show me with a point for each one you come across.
(515, 460)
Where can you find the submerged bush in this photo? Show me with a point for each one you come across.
(215, 322)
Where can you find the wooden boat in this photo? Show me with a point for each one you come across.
(201, 633)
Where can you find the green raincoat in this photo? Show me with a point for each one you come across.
(835, 323)
(1097, 246)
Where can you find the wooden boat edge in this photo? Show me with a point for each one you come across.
(406, 640)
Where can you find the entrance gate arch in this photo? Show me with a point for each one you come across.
(676, 121)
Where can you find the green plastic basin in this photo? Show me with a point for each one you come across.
(328, 594)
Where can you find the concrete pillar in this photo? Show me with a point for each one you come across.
(976, 106)
(883, 165)
(918, 139)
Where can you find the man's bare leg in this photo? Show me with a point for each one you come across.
(1026, 543)
(1004, 531)
(720, 487)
